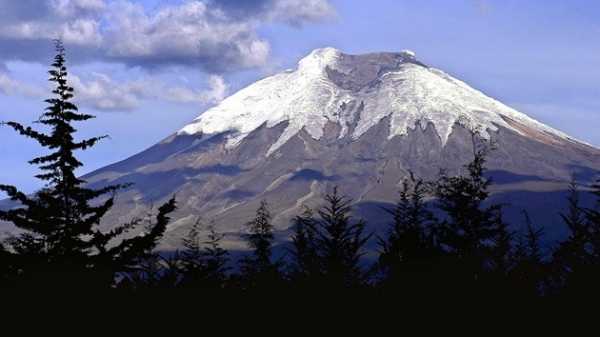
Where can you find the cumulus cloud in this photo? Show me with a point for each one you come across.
(70, 8)
(11, 86)
(216, 92)
(105, 94)
(190, 34)
(300, 12)
(294, 12)
(211, 35)
(74, 21)
(102, 93)
(6, 83)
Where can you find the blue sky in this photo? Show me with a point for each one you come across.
(146, 68)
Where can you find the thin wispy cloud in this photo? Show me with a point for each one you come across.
(217, 90)
(11, 86)
(103, 93)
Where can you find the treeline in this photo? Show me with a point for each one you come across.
(466, 250)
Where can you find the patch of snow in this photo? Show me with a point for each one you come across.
(307, 99)
(409, 53)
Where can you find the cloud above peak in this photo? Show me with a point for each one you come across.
(191, 34)
(216, 36)
(292, 12)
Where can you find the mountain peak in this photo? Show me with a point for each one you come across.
(328, 57)
(357, 92)
(319, 59)
(409, 53)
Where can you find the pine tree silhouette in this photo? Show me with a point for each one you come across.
(205, 263)
(62, 245)
(340, 242)
(528, 273)
(473, 234)
(6, 263)
(577, 259)
(409, 252)
(216, 259)
(258, 270)
(191, 264)
(305, 270)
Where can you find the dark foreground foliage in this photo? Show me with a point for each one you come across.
(61, 245)
(466, 251)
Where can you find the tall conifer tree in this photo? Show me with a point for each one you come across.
(305, 269)
(410, 248)
(341, 241)
(61, 244)
(528, 272)
(578, 257)
(258, 269)
(472, 233)
(204, 263)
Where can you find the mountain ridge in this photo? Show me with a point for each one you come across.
(326, 86)
(221, 173)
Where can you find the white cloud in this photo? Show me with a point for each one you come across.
(6, 84)
(77, 22)
(299, 12)
(10, 86)
(216, 92)
(71, 8)
(204, 35)
(102, 93)
(191, 33)
(105, 94)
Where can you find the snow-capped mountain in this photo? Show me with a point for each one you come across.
(361, 122)
(329, 86)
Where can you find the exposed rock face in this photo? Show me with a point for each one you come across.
(361, 122)
(227, 184)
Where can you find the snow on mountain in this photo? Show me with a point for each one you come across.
(333, 121)
(407, 91)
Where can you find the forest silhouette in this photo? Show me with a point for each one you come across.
(444, 239)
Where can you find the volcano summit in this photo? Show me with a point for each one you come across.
(361, 122)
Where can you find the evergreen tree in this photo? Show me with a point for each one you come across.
(502, 247)
(528, 271)
(5, 265)
(149, 273)
(305, 268)
(592, 216)
(191, 255)
(410, 249)
(61, 244)
(214, 260)
(204, 264)
(340, 242)
(192, 265)
(258, 269)
(577, 259)
(474, 235)
(575, 219)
